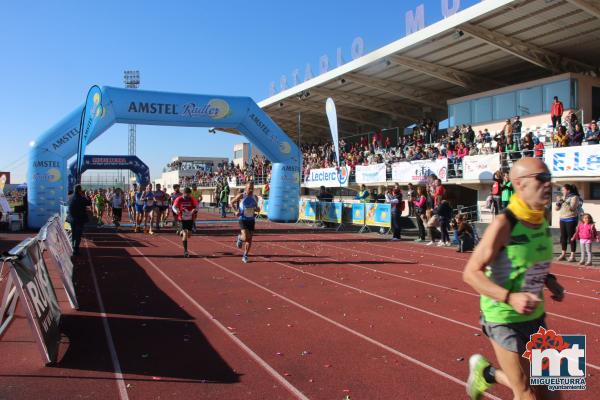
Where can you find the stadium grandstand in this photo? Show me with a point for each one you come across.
(489, 74)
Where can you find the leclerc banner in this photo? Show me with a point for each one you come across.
(574, 161)
(418, 171)
(328, 177)
(35, 288)
(374, 173)
(55, 239)
(481, 167)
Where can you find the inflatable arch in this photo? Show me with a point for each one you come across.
(131, 163)
(47, 173)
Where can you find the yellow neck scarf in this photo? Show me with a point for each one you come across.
(523, 212)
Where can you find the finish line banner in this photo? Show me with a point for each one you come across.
(31, 277)
(574, 161)
(374, 173)
(55, 240)
(418, 171)
(328, 177)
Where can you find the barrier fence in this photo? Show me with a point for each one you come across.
(360, 214)
(29, 280)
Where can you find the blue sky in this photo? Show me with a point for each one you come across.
(52, 52)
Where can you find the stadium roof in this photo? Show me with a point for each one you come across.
(489, 45)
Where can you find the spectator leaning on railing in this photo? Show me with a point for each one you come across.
(593, 134)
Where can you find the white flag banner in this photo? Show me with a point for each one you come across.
(333, 125)
(373, 173)
(481, 167)
(418, 171)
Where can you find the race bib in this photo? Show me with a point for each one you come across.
(249, 212)
(187, 215)
(535, 278)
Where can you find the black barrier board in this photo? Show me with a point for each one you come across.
(56, 240)
(31, 276)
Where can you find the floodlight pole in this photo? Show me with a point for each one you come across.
(131, 79)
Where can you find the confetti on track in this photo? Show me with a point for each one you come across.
(330, 314)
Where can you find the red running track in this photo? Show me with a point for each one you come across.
(315, 314)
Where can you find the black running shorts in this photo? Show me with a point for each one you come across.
(187, 225)
(247, 224)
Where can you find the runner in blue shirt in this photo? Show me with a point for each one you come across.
(247, 205)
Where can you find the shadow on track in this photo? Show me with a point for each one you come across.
(148, 347)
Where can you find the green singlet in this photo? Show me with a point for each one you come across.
(522, 266)
(100, 201)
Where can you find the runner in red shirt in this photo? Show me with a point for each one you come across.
(185, 207)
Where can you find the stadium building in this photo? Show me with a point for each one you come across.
(491, 62)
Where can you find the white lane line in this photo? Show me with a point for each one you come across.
(109, 339)
(284, 382)
(350, 330)
(392, 300)
(415, 280)
(432, 266)
(465, 260)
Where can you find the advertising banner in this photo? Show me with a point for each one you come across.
(378, 215)
(264, 208)
(374, 173)
(573, 161)
(4, 206)
(418, 171)
(4, 179)
(308, 210)
(328, 177)
(358, 213)
(41, 304)
(55, 240)
(481, 167)
(331, 212)
(92, 112)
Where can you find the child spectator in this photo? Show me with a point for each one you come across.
(586, 233)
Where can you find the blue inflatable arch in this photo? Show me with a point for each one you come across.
(48, 176)
(131, 163)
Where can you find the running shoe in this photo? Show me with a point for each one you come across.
(137, 229)
(394, 239)
(476, 384)
(419, 240)
(151, 232)
(430, 243)
(239, 242)
(186, 254)
(245, 259)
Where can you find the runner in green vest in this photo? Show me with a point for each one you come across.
(517, 247)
